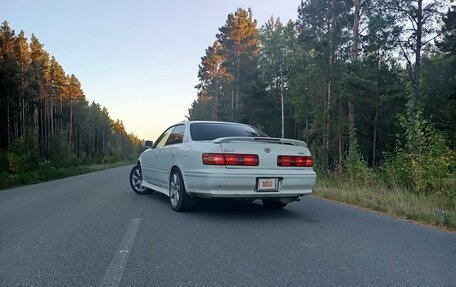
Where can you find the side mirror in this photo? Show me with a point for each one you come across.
(148, 144)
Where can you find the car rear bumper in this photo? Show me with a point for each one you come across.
(241, 183)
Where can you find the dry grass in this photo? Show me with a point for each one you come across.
(430, 209)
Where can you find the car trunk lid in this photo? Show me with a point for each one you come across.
(267, 149)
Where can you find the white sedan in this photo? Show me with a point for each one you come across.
(224, 160)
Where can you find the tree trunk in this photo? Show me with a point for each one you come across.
(354, 51)
(18, 126)
(351, 116)
(340, 149)
(282, 103)
(214, 103)
(238, 72)
(340, 153)
(41, 125)
(306, 111)
(24, 119)
(8, 135)
(36, 123)
(326, 131)
(374, 139)
(330, 78)
(52, 116)
(61, 113)
(419, 32)
(71, 120)
(75, 136)
(355, 37)
(21, 103)
(93, 143)
(46, 125)
(232, 105)
(454, 135)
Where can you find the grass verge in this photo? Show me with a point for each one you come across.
(8, 180)
(429, 209)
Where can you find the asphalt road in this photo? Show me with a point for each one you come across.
(92, 230)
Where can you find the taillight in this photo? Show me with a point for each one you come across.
(230, 159)
(241, 159)
(213, 158)
(289, 160)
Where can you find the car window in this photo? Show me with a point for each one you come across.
(163, 138)
(210, 131)
(176, 136)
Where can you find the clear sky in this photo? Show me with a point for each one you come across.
(138, 58)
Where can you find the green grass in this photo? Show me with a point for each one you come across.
(8, 180)
(429, 209)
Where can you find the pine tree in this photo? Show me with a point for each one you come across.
(59, 91)
(277, 45)
(240, 42)
(44, 114)
(75, 95)
(201, 107)
(324, 34)
(448, 42)
(214, 76)
(8, 84)
(368, 77)
(418, 18)
(22, 51)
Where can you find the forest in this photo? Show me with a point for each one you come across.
(369, 85)
(45, 118)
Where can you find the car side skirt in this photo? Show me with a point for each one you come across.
(163, 190)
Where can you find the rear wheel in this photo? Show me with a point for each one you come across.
(180, 200)
(136, 181)
(273, 204)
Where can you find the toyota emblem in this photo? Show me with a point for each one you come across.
(267, 150)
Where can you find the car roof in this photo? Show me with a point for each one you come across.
(208, 122)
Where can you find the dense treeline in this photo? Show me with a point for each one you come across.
(370, 85)
(45, 118)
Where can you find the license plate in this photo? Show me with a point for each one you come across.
(267, 184)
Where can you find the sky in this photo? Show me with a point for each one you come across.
(139, 59)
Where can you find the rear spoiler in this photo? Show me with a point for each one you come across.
(261, 139)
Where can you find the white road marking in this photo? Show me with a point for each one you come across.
(115, 270)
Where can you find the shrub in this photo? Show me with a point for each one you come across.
(4, 166)
(23, 154)
(61, 154)
(422, 159)
(355, 166)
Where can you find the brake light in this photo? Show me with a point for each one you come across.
(230, 159)
(289, 160)
(213, 158)
(241, 159)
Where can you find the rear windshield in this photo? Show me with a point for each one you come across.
(211, 131)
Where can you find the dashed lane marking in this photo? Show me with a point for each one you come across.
(115, 270)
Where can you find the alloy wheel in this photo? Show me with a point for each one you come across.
(136, 180)
(175, 189)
